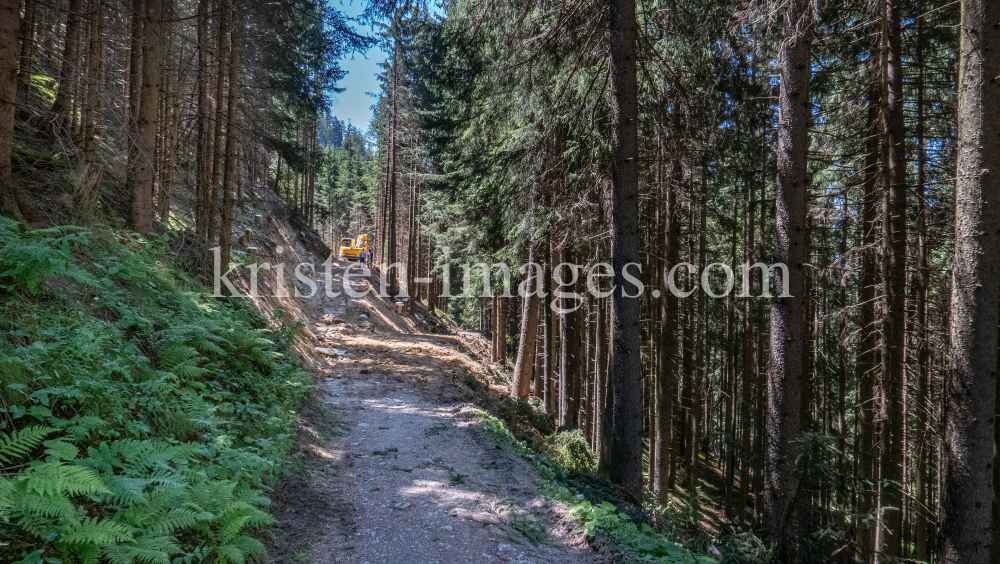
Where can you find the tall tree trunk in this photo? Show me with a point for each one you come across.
(134, 84)
(202, 154)
(868, 354)
(551, 333)
(791, 248)
(666, 388)
(685, 422)
(623, 415)
(602, 373)
(502, 305)
(729, 438)
(67, 76)
(571, 354)
(529, 330)
(391, 181)
(148, 119)
(9, 21)
(27, 55)
(565, 337)
(89, 172)
(975, 294)
(923, 406)
(599, 346)
(894, 281)
(173, 116)
(215, 139)
(748, 348)
(842, 493)
(229, 169)
(697, 401)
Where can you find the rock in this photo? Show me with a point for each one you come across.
(331, 352)
(364, 371)
(362, 425)
(446, 528)
(401, 505)
(363, 316)
(503, 547)
(345, 331)
(457, 511)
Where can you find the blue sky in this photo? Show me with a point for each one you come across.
(354, 104)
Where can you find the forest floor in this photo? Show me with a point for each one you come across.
(393, 466)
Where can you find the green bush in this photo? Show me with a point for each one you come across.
(141, 420)
(647, 544)
(570, 450)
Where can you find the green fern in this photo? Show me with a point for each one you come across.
(230, 554)
(94, 531)
(152, 390)
(28, 259)
(20, 443)
(57, 479)
(174, 519)
(145, 550)
(20, 504)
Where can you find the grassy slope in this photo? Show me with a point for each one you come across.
(140, 419)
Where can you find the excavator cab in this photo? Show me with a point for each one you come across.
(350, 249)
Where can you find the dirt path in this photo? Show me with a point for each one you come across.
(394, 468)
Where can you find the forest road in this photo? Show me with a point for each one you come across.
(393, 466)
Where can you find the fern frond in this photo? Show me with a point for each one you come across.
(6, 491)
(231, 525)
(77, 480)
(173, 354)
(94, 531)
(24, 503)
(230, 554)
(82, 425)
(189, 369)
(178, 518)
(20, 443)
(250, 546)
(126, 491)
(148, 550)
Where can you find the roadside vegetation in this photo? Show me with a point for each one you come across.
(141, 420)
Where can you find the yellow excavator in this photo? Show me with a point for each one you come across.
(350, 249)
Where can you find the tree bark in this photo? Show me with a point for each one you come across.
(215, 139)
(27, 55)
(623, 415)
(529, 331)
(229, 168)
(666, 389)
(9, 21)
(67, 75)
(148, 120)
(868, 353)
(202, 151)
(697, 401)
(784, 373)
(89, 171)
(921, 442)
(393, 285)
(894, 280)
(975, 295)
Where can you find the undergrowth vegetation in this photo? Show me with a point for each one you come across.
(565, 469)
(141, 420)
